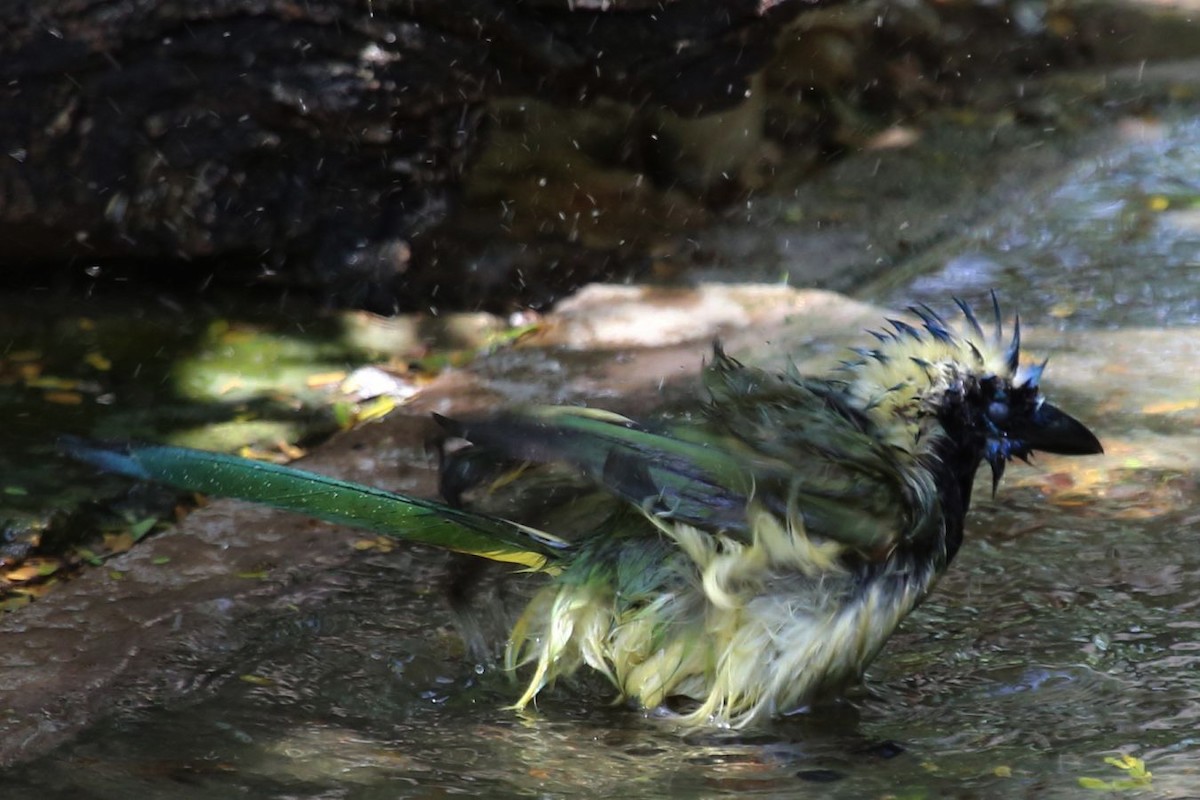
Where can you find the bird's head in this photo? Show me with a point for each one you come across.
(937, 384)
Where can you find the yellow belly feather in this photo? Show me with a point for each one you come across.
(754, 630)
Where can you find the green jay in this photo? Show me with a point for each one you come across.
(738, 561)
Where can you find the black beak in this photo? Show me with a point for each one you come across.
(1052, 431)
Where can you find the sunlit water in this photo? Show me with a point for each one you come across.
(1117, 244)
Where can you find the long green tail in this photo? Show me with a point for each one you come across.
(397, 516)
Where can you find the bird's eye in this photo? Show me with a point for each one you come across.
(997, 412)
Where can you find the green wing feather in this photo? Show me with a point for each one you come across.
(788, 443)
(342, 502)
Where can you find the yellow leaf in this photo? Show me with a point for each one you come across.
(1159, 203)
(257, 680)
(1171, 406)
(118, 542)
(35, 590)
(1131, 764)
(380, 407)
(31, 569)
(1002, 772)
(229, 385)
(64, 398)
(54, 384)
(290, 450)
(1094, 783)
(324, 379)
(98, 361)
(262, 455)
(1061, 310)
(21, 574)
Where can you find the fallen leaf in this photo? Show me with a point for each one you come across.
(256, 680)
(88, 556)
(64, 398)
(290, 450)
(15, 602)
(1094, 783)
(1170, 407)
(139, 529)
(32, 569)
(324, 379)
(98, 361)
(118, 542)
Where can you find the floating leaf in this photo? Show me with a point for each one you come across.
(1131, 764)
(63, 398)
(55, 384)
(256, 680)
(1094, 783)
(98, 361)
(1138, 776)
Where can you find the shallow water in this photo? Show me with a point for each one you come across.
(1060, 637)
(1067, 632)
(1116, 244)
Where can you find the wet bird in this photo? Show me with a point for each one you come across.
(735, 563)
